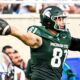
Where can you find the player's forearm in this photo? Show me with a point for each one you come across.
(15, 31)
(29, 39)
(20, 34)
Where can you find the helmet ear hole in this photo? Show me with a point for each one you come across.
(49, 23)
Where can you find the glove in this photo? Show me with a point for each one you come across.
(4, 27)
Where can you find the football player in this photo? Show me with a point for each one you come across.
(49, 43)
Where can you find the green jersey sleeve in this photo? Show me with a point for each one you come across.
(35, 30)
(40, 31)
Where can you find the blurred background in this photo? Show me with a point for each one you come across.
(22, 13)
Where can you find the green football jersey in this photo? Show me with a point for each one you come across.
(47, 60)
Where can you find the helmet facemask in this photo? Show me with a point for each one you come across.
(57, 26)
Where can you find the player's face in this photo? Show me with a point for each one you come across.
(60, 22)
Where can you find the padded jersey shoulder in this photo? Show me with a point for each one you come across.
(38, 30)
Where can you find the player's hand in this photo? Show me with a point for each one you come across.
(4, 27)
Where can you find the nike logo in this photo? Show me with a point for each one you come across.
(64, 36)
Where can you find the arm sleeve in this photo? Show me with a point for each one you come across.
(75, 44)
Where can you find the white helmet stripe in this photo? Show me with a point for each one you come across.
(5, 29)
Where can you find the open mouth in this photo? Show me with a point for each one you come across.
(61, 27)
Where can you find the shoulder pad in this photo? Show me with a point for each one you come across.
(35, 29)
(39, 30)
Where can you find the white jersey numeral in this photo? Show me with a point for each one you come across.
(57, 54)
(32, 29)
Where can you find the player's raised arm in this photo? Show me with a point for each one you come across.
(28, 38)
